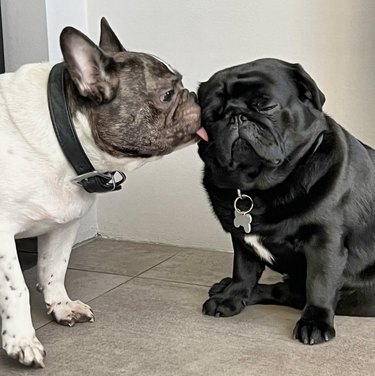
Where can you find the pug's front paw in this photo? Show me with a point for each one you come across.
(222, 306)
(312, 332)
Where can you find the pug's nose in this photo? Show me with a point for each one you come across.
(237, 120)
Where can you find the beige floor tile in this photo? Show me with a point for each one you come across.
(119, 257)
(194, 266)
(200, 267)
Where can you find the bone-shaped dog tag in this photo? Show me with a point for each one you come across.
(243, 220)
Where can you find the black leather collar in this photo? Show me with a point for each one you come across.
(90, 179)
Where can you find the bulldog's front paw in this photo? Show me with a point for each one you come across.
(27, 350)
(222, 306)
(311, 332)
(70, 312)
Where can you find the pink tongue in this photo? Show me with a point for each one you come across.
(202, 134)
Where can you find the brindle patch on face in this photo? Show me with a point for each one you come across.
(136, 122)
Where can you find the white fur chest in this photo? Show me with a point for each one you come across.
(46, 208)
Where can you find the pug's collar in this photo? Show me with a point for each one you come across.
(90, 179)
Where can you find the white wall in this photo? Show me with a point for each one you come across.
(58, 15)
(334, 41)
(24, 32)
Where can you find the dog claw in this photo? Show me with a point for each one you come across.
(38, 364)
(313, 332)
(72, 323)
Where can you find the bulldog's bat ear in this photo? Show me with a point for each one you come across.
(108, 39)
(307, 87)
(89, 67)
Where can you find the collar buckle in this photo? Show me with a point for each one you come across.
(108, 180)
(78, 179)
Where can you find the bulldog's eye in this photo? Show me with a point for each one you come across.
(167, 96)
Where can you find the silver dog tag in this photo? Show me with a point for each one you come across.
(243, 218)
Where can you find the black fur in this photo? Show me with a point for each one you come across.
(313, 188)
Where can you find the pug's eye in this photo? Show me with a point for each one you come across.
(266, 108)
(167, 96)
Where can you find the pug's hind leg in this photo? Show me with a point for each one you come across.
(281, 293)
(357, 302)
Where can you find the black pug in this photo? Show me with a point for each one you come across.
(296, 192)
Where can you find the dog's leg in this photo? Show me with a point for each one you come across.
(286, 293)
(54, 252)
(357, 302)
(18, 335)
(229, 297)
(325, 261)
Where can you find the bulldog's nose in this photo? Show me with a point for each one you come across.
(237, 120)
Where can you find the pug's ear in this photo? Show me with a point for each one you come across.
(108, 39)
(307, 87)
(90, 68)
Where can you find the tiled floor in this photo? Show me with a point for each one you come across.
(147, 302)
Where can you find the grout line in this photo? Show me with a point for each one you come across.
(173, 281)
(47, 323)
(167, 259)
(113, 288)
(100, 272)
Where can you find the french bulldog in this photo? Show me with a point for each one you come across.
(127, 108)
(295, 191)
